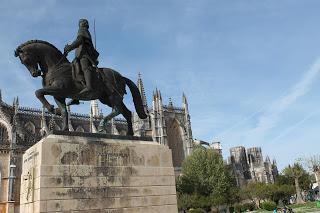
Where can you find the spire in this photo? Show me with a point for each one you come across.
(44, 128)
(184, 99)
(93, 129)
(268, 159)
(142, 92)
(94, 108)
(0, 96)
(185, 103)
(16, 105)
(159, 100)
(69, 118)
(274, 162)
(114, 130)
(170, 103)
(154, 96)
(160, 97)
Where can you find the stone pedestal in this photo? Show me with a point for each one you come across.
(81, 174)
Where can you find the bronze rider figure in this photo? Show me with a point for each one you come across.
(86, 55)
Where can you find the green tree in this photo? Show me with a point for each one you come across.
(305, 180)
(205, 176)
(256, 192)
(295, 171)
(314, 165)
(281, 192)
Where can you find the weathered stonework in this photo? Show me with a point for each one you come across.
(86, 174)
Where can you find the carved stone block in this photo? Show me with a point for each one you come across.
(64, 173)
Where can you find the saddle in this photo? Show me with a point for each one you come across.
(107, 78)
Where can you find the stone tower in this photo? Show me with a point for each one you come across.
(240, 165)
(255, 160)
(249, 165)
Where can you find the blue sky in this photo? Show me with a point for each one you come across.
(249, 68)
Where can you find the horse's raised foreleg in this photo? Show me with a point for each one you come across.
(53, 91)
(61, 102)
(103, 122)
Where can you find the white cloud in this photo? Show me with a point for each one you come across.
(271, 116)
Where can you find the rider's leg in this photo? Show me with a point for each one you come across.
(87, 72)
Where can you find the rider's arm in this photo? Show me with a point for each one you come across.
(76, 43)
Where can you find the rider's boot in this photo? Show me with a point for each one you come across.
(88, 79)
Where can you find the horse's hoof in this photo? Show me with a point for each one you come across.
(57, 111)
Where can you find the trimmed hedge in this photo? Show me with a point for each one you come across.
(268, 205)
(196, 211)
(244, 207)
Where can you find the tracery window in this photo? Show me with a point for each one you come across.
(30, 132)
(3, 134)
(30, 127)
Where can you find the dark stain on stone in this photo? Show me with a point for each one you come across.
(87, 156)
(59, 180)
(67, 180)
(57, 205)
(69, 158)
(86, 193)
(55, 150)
(135, 159)
(61, 194)
(147, 191)
(154, 161)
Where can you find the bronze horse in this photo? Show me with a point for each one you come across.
(59, 82)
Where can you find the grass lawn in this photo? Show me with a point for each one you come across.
(299, 208)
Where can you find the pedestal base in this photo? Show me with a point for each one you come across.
(89, 174)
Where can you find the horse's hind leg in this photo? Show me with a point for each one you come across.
(61, 102)
(103, 122)
(127, 115)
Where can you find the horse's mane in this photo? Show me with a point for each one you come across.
(36, 41)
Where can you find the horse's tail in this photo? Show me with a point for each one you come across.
(137, 100)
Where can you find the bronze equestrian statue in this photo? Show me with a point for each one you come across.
(59, 79)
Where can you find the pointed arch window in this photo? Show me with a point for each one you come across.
(30, 127)
(3, 134)
(79, 129)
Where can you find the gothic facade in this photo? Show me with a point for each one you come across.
(248, 165)
(21, 127)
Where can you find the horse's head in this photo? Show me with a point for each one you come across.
(29, 58)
